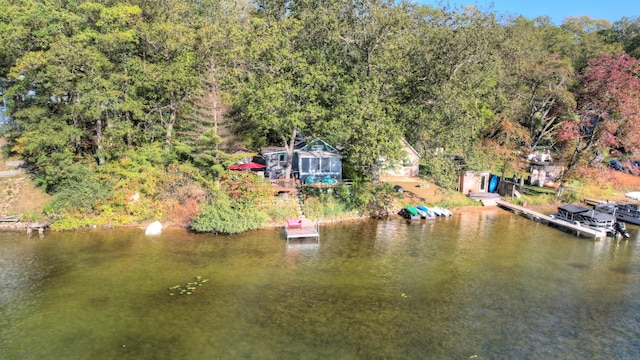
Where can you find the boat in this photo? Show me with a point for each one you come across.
(409, 213)
(624, 212)
(591, 218)
(629, 213)
(441, 211)
(428, 214)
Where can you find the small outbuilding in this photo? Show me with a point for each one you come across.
(474, 182)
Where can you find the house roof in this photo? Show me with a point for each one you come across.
(405, 142)
(272, 150)
(317, 142)
(326, 151)
(318, 154)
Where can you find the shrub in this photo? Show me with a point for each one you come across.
(374, 199)
(223, 215)
(82, 190)
(325, 206)
(244, 186)
(280, 209)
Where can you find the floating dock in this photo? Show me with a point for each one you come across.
(307, 230)
(546, 219)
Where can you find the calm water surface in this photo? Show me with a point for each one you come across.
(485, 285)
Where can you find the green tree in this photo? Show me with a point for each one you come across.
(280, 90)
(535, 87)
(452, 94)
(581, 39)
(626, 31)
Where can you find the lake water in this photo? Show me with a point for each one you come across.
(481, 285)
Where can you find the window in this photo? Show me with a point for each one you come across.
(282, 157)
(314, 165)
(326, 165)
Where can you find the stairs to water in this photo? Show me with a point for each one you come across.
(300, 201)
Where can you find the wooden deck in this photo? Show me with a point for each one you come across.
(283, 185)
(308, 230)
(545, 219)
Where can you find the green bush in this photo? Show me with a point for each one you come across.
(280, 209)
(81, 190)
(373, 199)
(326, 206)
(225, 216)
(442, 168)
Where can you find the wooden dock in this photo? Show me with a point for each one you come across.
(307, 230)
(548, 220)
(592, 202)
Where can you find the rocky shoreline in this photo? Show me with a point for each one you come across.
(22, 226)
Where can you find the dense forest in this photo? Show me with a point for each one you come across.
(110, 98)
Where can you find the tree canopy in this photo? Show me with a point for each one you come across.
(86, 82)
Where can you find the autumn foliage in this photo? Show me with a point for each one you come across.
(610, 98)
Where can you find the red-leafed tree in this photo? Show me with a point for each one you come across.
(608, 109)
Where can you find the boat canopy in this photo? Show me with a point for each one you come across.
(635, 195)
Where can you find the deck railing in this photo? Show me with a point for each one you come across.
(283, 183)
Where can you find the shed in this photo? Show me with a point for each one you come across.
(470, 182)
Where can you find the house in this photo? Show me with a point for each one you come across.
(275, 158)
(316, 162)
(409, 165)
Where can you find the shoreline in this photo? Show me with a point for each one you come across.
(169, 225)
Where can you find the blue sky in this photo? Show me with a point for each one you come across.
(557, 10)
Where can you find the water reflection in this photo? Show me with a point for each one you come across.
(488, 284)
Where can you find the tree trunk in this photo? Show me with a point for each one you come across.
(99, 146)
(169, 133)
(288, 146)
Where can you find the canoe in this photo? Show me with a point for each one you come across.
(428, 214)
(407, 215)
(441, 211)
(413, 211)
